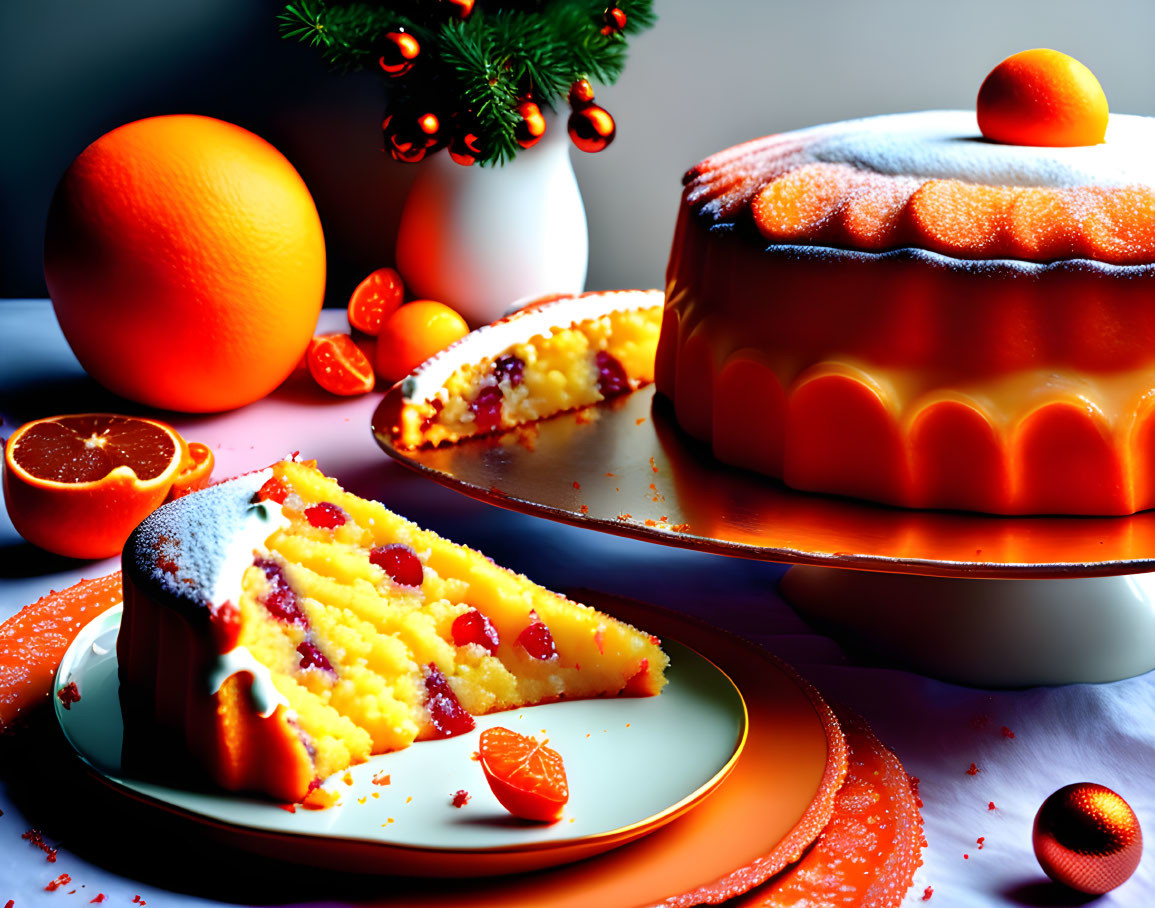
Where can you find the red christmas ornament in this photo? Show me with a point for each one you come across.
(532, 126)
(465, 149)
(409, 140)
(459, 8)
(591, 127)
(581, 93)
(615, 21)
(1088, 838)
(398, 54)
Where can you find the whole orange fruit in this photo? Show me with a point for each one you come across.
(414, 333)
(185, 260)
(1042, 97)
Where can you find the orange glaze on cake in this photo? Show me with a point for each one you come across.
(918, 338)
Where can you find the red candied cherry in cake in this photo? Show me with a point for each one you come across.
(527, 777)
(1042, 97)
(537, 641)
(400, 562)
(474, 627)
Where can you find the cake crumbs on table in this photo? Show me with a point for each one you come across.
(96, 901)
(653, 465)
(927, 893)
(363, 800)
(291, 808)
(1007, 733)
(69, 694)
(585, 508)
(610, 474)
(576, 484)
(36, 837)
(63, 880)
(624, 517)
(409, 800)
(973, 770)
(979, 841)
(460, 798)
(137, 900)
(639, 420)
(382, 779)
(991, 806)
(966, 857)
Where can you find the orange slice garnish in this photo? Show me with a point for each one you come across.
(527, 777)
(375, 299)
(33, 641)
(338, 365)
(77, 485)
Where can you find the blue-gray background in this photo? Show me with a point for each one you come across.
(711, 74)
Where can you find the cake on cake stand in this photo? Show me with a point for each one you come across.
(972, 598)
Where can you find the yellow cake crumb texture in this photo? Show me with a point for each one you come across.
(540, 377)
(357, 648)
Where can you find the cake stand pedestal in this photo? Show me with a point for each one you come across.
(977, 599)
(988, 633)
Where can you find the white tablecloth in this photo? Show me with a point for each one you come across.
(1099, 733)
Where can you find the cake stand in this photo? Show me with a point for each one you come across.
(977, 599)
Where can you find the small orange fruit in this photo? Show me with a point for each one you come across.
(375, 299)
(78, 485)
(33, 641)
(1042, 97)
(185, 260)
(414, 333)
(338, 365)
(527, 777)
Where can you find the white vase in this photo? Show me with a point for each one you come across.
(480, 239)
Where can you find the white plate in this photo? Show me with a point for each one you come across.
(633, 765)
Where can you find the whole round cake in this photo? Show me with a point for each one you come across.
(904, 309)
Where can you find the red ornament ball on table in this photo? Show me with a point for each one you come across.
(591, 128)
(1088, 838)
(399, 53)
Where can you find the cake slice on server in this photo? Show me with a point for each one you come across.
(280, 629)
(557, 354)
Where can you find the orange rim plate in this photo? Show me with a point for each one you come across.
(778, 795)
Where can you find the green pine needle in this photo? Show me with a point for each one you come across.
(474, 72)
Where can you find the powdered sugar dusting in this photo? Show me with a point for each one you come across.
(186, 547)
(924, 145)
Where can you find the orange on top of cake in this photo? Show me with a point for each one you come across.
(902, 309)
(281, 629)
(557, 354)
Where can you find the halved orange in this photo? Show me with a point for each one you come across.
(78, 484)
(338, 365)
(527, 777)
(375, 299)
(33, 641)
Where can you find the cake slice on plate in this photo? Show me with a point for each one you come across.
(281, 629)
(558, 354)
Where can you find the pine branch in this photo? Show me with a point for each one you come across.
(474, 72)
